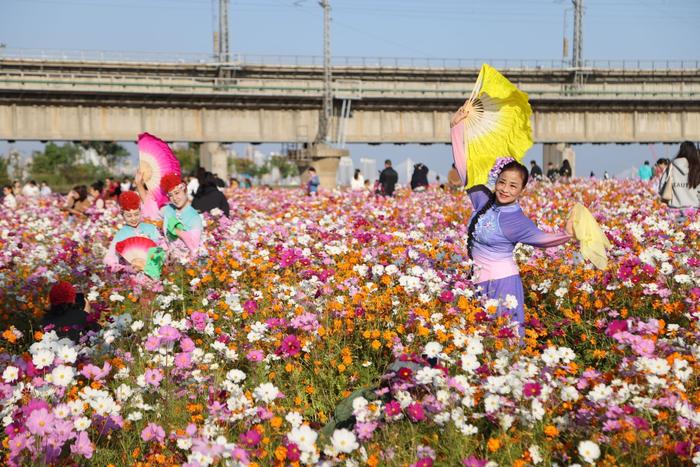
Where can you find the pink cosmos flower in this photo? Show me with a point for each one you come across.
(83, 446)
(289, 347)
(152, 343)
(255, 355)
(40, 422)
(187, 344)
(153, 376)
(531, 389)
(199, 320)
(293, 453)
(415, 412)
(169, 333)
(183, 360)
(250, 438)
(392, 409)
(153, 432)
(424, 462)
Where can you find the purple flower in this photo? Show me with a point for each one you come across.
(473, 461)
(187, 344)
(153, 376)
(364, 430)
(40, 422)
(424, 462)
(153, 432)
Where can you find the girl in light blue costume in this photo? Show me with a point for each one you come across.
(495, 227)
(182, 224)
(130, 204)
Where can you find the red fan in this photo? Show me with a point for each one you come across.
(135, 250)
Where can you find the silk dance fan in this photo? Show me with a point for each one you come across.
(156, 160)
(494, 122)
(143, 254)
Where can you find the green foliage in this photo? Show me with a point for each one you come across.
(248, 168)
(59, 167)
(111, 151)
(4, 177)
(283, 164)
(188, 157)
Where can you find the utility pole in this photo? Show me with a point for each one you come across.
(327, 111)
(577, 60)
(223, 46)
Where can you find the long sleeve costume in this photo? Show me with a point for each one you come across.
(496, 233)
(190, 219)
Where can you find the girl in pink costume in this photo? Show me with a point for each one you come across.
(495, 227)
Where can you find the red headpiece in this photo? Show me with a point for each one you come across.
(61, 293)
(129, 200)
(169, 182)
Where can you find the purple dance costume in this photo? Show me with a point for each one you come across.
(496, 233)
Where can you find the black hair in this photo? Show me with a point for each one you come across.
(9, 187)
(97, 186)
(63, 308)
(357, 172)
(387, 162)
(514, 165)
(689, 152)
(81, 190)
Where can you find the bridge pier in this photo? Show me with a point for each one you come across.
(556, 153)
(214, 158)
(325, 159)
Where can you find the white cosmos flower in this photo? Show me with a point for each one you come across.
(10, 374)
(589, 451)
(294, 419)
(62, 375)
(67, 354)
(42, 359)
(82, 423)
(266, 392)
(344, 441)
(432, 349)
(304, 437)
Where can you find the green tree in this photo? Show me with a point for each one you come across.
(59, 167)
(111, 151)
(188, 157)
(285, 166)
(4, 176)
(248, 168)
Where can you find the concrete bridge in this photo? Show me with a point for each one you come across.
(384, 102)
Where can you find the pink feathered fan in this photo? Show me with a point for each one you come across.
(135, 249)
(156, 160)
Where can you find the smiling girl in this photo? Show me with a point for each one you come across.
(496, 226)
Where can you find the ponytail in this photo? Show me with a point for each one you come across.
(475, 220)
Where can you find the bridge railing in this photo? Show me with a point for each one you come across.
(349, 89)
(339, 61)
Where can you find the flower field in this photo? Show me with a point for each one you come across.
(343, 329)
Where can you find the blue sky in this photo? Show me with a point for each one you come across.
(483, 29)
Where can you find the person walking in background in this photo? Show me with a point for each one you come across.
(565, 171)
(313, 183)
(44, 190)
(645, 172)
(8, 198)
(111, 189)
(209, 197)
(606, 175)
(680, 183)
(388, 179)
(552, 172)
(660, 167)
(419, 178)
(535, 171)
(454, 181)
(357, 183)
